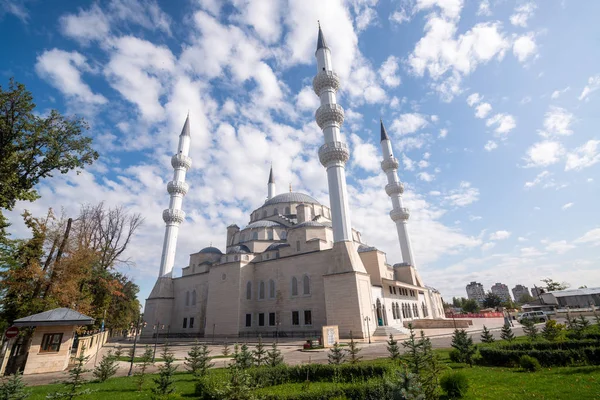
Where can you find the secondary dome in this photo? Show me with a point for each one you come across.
(240, 249)
(292, 197)
(262, 224)
(211, 250)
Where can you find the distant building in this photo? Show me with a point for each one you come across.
(475, 291)
(536, 291)
(501, 290)
(573, 298)
(519, 291)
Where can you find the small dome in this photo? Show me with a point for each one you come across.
(263, 224)
(308, 224)
(292, 197)
(363, 248)
(240, 249)
(211, 250)
(277, 246)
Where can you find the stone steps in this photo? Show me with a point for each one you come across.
(387, 330)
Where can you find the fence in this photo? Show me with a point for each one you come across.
(93, 343)
(478, 315)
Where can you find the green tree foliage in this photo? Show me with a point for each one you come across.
(13, 388)
(507, 334)
(406, 385)
(525, 298)
(486, 335)
(529, 363)
(76, 380)
(552, 286)
(393, 348)
(274, 357)
(529, 328)
(336, 355)
(198, 360)
(492, 300)
(239, 386)
(462, 342)
(164, 381)
(414, 355)
(458, 302)
(471, 306)
(145, 361)
(455, 384)
(432, 368)
(107, 367)
(242, 356)
(259, 354)
(552, 330)
(226, 351)
(353, 351)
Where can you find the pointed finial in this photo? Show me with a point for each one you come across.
(271, 180)
(290, 187)
(186, 127)
(211, 244)
(384, 135)
(321, 39)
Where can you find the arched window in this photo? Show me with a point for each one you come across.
(261, 290)
(275, 211)
(306, 284)
(270, 234)
(187, 298)
(264, 213)
(249, 290)
(241, 238)
(294, 286)
(397, 310)
(271, 289)
(194, 298)
(393, 311)
(255, 235)
(287, 211)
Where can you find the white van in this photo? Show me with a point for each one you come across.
(535, 316)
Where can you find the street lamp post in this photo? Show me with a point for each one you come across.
(156, 340)
(453, 320)
(367, 319)
(137, 327)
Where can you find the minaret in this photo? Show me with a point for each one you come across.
(271, 185)
(394, 189)
(334, 153)
(177, 188)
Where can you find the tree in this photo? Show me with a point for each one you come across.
(198, 360)
(145, 361)
(392, 348)
(33, 147)
(506, 333)
(471, 306)
(259, 355)
(492, 300)
(486, 336)
(164, 381)
(274, 357)
(458, 302)
(530, 329)
(336, 355)
(552, 286)
(226, 350)
(13, 388)
(464, 344)
(414, 355)
(242, 356)
(239, 386)
(353, 351)
(552, 330)
(432, 368)
(107, 367)
(76, 380)
(525, 298)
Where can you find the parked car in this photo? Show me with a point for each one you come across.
(536, 316)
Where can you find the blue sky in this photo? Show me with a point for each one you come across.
(491, 105)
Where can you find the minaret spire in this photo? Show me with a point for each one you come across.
(271, 185)
(334, 153)
(177, 188)
(394, 189)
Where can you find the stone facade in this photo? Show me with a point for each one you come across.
(51, 361)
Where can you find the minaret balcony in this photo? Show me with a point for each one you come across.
(177, 187)
(329, 114)
(326, 80)
(181, 161)
(389, 163)
(173, 216)
(334, 152)
(400, 214)
(394, 188)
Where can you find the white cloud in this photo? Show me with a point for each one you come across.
(364, 11)
(544, 153)
(63, 71)
(85, 26)
(408, 123)
(306, 99)
(474, 99)
(388, 72)
(591, 237)
(504, 123)
(145, 13)
(592, 85)
(364, 155)
(531, 252)
(584, 156)
(522, 14)
(522, 239)
(490, 145)
(443, 133)
(557, 93)
(399, 16)
(482, 110)
(525, 100)
(484, 8)
(488, 246)
(500, 235)
(567, 206)
(423, 164)
(425, 176)
(264, 17)
(545, 180)
(464, 195)
(557, 121)
(559, 247)
(409, 164)
(15, 8)
(524, 47)
(450, 8)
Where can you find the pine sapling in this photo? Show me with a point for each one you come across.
(145, 361)
(13, 388)
(392, 348)
(164, 381)
(336, 355)
(583, 322)
(260, 353)
(413, 355)
(464, 344)
(432, 368)
(107, 367)
(76, 380)
(353, 351)
(274, 357)
(530, 329)
(226, 351)
(507, 334)
(198, 360)
(118, 351)
(243, 357)
(486, 336)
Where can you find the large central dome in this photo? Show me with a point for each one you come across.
(292, 197)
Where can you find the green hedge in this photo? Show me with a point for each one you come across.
(547, 358)
(375, 389)
(546, 345)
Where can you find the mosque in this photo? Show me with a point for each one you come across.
(298, 265)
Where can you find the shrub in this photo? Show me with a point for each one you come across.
(13, 388)
(455, 384)
(392, 348)
(486, 336)
(507, 334)
(353, 351)
(198, 360)
(336, 354)
(529, 363)
(455, 356)
(164, 381)
(464, 345)
(530, 329)
(274, 357)
(552, 330)
(259, 354)
(107, 367)
(145, 361)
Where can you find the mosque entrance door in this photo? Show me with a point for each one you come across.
(380, 320)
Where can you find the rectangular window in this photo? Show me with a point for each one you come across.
(297, 245)
(51, 343)
(271, 319)
(307, 317)
(295, 318)
(191, 322)
(394, 290)
(261, 319)
(185, 322)
(391, 290)
(248, 319)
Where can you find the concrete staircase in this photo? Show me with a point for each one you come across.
(385, 331)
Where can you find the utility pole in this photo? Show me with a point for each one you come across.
(156, 341)
(137, 326)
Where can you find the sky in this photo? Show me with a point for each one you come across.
(491, 105)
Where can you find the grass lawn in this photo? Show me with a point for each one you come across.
(560, 383)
